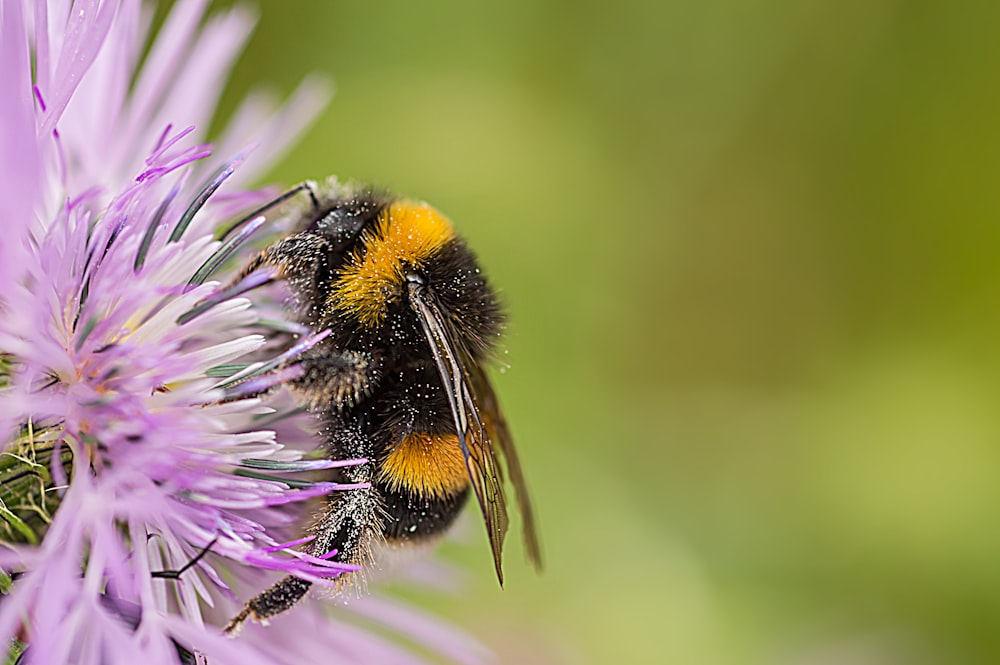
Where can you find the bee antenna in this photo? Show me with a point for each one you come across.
(305, 186)
(176, 574)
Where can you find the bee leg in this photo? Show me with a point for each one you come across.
(298, 254)
(336, 379)
(280, 597)
(350, 526)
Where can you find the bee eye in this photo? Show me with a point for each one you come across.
(339, 227)
(414, 278)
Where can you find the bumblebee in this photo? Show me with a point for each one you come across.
(398, 381)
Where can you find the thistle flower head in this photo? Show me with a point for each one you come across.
(142, 482)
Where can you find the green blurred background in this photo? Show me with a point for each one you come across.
(750, 255)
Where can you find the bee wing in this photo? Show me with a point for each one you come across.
(473, 436)
(499, 434)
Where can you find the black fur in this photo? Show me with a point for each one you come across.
(373, 386)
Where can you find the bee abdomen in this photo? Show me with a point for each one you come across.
(410, 517)
(424, 484)
(426, 465)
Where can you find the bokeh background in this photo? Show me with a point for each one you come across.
(750, 253)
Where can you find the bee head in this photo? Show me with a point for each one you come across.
(384, 254)
(344, 218)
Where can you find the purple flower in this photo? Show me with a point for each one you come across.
(142, 494)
